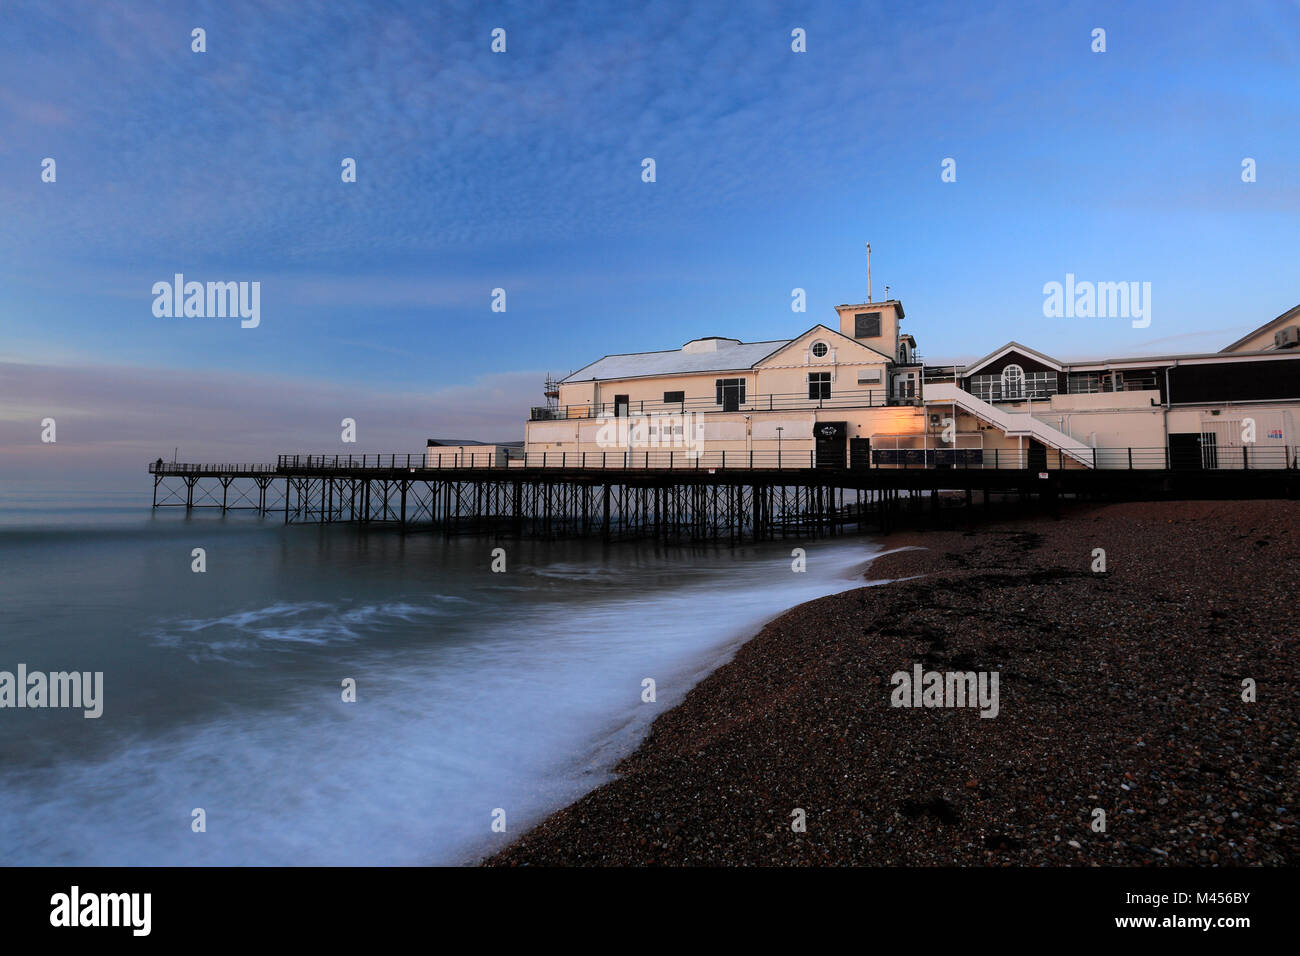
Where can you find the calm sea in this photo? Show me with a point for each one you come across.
(222, 690)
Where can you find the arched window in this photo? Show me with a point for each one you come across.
(1013, 383)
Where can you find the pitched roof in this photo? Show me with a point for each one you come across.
(1285, 317)
(1011, 347)
(829, 331)
(729, 356)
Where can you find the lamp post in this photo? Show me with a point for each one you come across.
(779, 429)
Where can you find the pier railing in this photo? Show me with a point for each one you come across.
(682, 459)
(364, 462)
(160, 467)
(734, 494)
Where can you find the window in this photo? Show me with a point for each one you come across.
(1013, 382)
(819, 385)
(819, 349)
(868, 376)
(866, 325)
(736, 385)
(1117, 380)
(1209, 449)
(1083, 383)
(674, 398)
(1001, 388)
(731, 393)
(986, 387)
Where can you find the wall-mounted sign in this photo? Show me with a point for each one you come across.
(832, 430)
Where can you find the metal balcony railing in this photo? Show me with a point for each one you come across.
(1023, 393)
(1082, 384)
(776, 401)
(941, 373)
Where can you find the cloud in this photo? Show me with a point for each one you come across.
(113, 420)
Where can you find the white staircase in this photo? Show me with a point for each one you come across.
(1014, 424)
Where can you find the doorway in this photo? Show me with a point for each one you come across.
(831, 444)
(1037, 456)
(859, 453)
(731, 393)
(1185, 452)
(905, 386)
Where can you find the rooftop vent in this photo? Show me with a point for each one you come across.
(709, 344)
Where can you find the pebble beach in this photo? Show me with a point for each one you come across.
(1121, 736)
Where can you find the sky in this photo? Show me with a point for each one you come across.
(523, 170)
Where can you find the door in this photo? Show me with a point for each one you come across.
(1037, 456)
(859, 452)
(831, 443)
(905, 385)
(620, 406)
(1185, 452)
(731, 393)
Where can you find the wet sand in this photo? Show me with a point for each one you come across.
(1118, 691)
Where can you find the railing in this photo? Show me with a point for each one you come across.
(1075, 385)
(1144, 458)
(363, 462)
(859, 398)
(1272, 458)
(1021, 393)
(1012, 423)
(1089, 384)
(176, 467)
(941, 373)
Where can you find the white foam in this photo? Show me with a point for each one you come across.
(526, 712)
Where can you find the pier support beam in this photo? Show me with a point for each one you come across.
(605, 530)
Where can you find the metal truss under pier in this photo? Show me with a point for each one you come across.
(720, 505)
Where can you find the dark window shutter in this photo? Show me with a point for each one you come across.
(866, 325)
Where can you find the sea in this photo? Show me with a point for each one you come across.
(328, 695)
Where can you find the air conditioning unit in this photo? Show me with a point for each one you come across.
(1287, 338)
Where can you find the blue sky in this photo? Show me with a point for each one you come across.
(522, 171)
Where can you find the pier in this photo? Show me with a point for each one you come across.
(672, 496)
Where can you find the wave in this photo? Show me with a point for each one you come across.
(288, 623)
